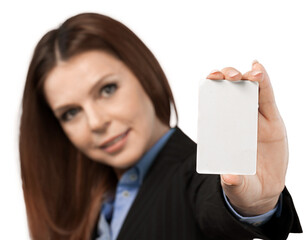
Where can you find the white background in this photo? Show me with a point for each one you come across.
(189, 38)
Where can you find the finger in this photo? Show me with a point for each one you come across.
(267, 104)
(231, 180)
(231, 74)
(253, 75)
(215, 75)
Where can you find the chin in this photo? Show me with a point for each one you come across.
(122, 160)
(125, 160)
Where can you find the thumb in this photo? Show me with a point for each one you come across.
(231, 180)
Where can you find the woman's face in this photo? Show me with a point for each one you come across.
(103, 109)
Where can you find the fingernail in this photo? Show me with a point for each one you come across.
(255, 61)
(214, 71)
(257, 72)
(232, 73)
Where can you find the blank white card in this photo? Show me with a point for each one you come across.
(227, 127)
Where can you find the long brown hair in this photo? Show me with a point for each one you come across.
(63, 188)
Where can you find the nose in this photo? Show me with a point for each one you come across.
(97, 118)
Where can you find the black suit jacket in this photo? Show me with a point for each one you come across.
(175, 202)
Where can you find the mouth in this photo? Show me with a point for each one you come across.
(115, 143)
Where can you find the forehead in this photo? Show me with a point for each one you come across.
(79, 73)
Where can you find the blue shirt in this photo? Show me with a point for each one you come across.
(115, 209)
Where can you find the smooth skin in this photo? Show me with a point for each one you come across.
(96, 98)
(257, 194)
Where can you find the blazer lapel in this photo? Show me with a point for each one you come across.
(178, 147)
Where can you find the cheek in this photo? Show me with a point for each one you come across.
(142, 118)
(146, 113)
(137, 111)
(78, 135)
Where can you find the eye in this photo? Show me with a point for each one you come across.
(69, 114)
(108, 90)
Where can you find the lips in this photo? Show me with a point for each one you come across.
(112, 141)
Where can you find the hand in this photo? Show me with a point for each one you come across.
(257, 194)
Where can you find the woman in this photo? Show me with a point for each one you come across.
(99, 159)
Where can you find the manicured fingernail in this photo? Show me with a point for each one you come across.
(232, 73)
(255, 61)
(256, 73)
(214, 71)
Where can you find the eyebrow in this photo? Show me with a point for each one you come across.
(98, 82)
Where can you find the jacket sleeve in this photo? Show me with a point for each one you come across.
(217, 222)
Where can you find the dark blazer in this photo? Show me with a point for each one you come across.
(175, 202)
